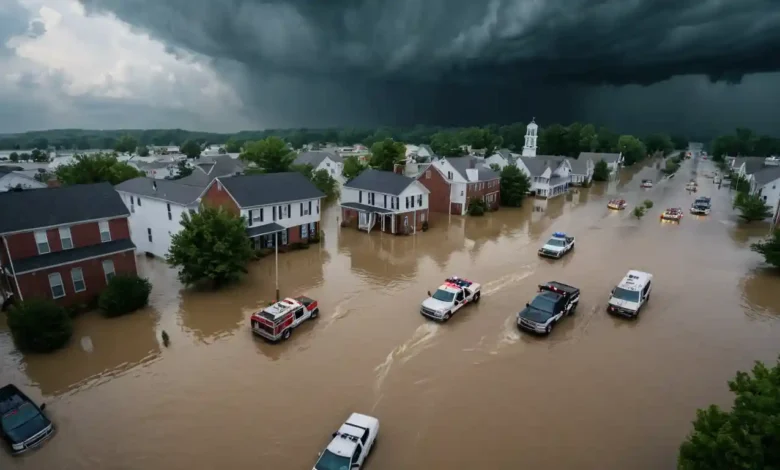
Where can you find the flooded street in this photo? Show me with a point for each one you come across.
(599, 393)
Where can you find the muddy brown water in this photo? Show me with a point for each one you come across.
(600, 393)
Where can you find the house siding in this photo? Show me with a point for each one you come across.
(36, 284)
(217, 196)
(439, 186)
(483, 189)
(153, 214)
(22, 245)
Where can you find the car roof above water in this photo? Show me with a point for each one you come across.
(635, 280)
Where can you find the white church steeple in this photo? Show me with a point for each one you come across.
(531, 134)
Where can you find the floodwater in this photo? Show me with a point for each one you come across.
(599, 393)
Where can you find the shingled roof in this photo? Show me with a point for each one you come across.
(385, 182)
(270, 188)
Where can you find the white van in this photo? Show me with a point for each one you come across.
(633, 292)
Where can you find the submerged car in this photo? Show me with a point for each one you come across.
(557, 246)
(701, 206)
(691, 186)
(646, 184)
(617, 204)
(23, 425)
(673, 213)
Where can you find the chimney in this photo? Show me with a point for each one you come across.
(473, 163)
(398, 168)
(154, 185)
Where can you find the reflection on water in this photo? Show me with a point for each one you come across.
(759, 292)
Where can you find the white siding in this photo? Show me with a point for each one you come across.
(414, 190)
(354, 195)
(770, 193)
(496, 159)
(152, 214)
(293, 216)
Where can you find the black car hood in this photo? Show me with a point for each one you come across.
(30, 428)
(535, 315)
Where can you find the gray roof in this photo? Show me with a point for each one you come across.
(766, 175)
(596, 157)
(536, 165)
(315, 157)
(208, 168)
(461, 164)
(752, 164)
(167, 190)
(380, 181)
(154, 165)
(270, 188)
(505, 153)
(46, 207)
(579, 166)
(253, 232)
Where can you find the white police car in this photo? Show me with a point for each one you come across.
(557, 246)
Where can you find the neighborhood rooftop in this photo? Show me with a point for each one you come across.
(386, 182)
(461, 164)
(165, 190)
(579, 166)
(596, 157)
(209, 168)
(48, 207)
(537, 165)
(270, 188)
(315, 157)
(766, 175)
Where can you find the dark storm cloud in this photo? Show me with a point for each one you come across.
(14, 21)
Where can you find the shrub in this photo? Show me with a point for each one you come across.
(124, 294)
(477, 206)
(425, 226)
(648, 204)
(601, 171)
(263, 252)
(39, 325)
(638, 212)
(317, 237)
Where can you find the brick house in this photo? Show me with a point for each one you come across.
(64, 243)
(390, 201)
(453, 182)
(276, 206)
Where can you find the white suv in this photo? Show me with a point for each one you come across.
(633, 292)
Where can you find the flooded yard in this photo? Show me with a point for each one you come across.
(599, 393)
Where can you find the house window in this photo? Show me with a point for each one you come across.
(428, 174)
(289, 211)
(170, 216)
(360, 197)
(449, 175)
(284, 237)
(149, 234)
(139, 201)
(461, 193)
(419, 200)
(108, 269)
(65, 238)
(309, 212)
(78, 280)
(406, 221)
(55, 283)
(407, 201)
(105, 231)
(313, 228)
(411, 201)
(318, 206)
(132, 205)
(42, 241)
(385, 204)
(305, 231)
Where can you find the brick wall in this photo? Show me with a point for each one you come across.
(22, 245)
(483, 189)
(439, 186)
(217, 196)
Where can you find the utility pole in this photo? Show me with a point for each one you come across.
(276, 262)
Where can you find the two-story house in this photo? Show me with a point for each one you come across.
(323, 160)
(766, 184)
(64, 243)
(502, 158)
(12, 179)
(581, 170)
(206, 169)
(550, 175)
(613, 160)
(156, 207)
(454, 182)
(283, 206)
(390, 201)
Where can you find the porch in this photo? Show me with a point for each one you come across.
(267, 236)
(555, 187)
(386, 220)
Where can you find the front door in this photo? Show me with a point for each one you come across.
(305, 231)
(300, 316)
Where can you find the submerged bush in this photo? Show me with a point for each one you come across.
(124, 294)
(39, 325)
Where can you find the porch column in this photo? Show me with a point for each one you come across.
(383, 222)
(415, 222)
(392, 223)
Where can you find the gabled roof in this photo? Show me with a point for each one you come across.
(752, 164)
(461, 164)
(579, 166)
(536, 165)
(596, 156)
(166, 190)
(31, 209)
(504, 153)
(315, 157)
(270, 188)
(766, 175)
(385, 182)
(208, 168)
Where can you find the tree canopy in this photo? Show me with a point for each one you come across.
(744, 142)
(601, 171)
(352, 167)
(126, 144)
(96, 168)
(190, 148)
(385, 154)
(752, 208)
(769, 248)
(745, 438)
(515, 185)
(39, 325)
(321, 179)
(271, 155)
(211, 246)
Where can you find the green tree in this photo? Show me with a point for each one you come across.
(25, 157)
(671, 166)
(589, 139)
(352, 167)
(601, 171)
(325, 183)
(212, 246)
(515, 185)
(495, 167)
(183, 170)
(648, 204)
(41, 143)
(39, 325)
(740, 183)
(679, 142)
(142, 151)
(233, 146)
(659, 142)
(83, 143)
(96, 168)
(633, 149)
(752, 207)
(446, 144)
(639, 212)
(14, 157)
(271, 155)
(387, 153)
(477, 206)
(123, 295)
(126, 144)
(553, 140)
(39, 156)
(770, 248)
(191, 149)
(513, 135)
(608, 140)
(747, 437)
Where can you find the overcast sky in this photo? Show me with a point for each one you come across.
(635, 65)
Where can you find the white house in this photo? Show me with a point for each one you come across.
(213, 150)
(323, 160)
(206, 169)
(156, 207)
(10, 179)
(276, 206)
(550, 175)
(581, 170)
(389, 201)
(502, 158)
(766, 184)
(613, 160)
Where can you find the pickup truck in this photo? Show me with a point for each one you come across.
(23, 426)
(554, 301)
(449, 298)
(557, 246)
(351, 444)
(701, 206)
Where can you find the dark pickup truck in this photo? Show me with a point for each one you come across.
(23, 426)
(554, 301)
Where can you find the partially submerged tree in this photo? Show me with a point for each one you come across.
(321, 179)
(191, 149)
(96, 168)
(747, 437)
(770, 248)
(270, 155)
(39, 325)
(752, 207)
(639, 212)
(126, 144)
(601, 171)
(477, 206)
(386, 154)
(211, 246)
(515, 185)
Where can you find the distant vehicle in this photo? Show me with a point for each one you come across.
(633, 292)
(691, 186)
(557, 246)
(351, 444)
(617, 204)
(23, 425)
(278, 321)
(701, 206)
(647, 184)
(716, 180)
(673, 213)
(449, 298)
(554, 301)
